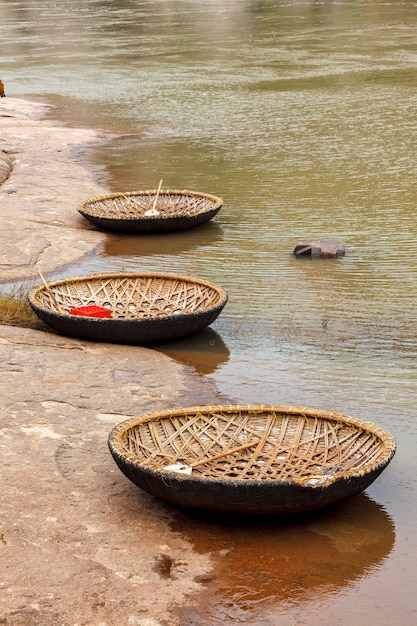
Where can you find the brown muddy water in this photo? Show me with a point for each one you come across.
(302, 116)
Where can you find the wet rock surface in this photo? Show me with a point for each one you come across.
(42, 186)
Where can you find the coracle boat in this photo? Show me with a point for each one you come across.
(135, 308)
(151, 211)
(250, 459)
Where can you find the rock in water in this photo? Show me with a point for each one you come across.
(320, 248)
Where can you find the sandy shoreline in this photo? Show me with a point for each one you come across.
(44, 183)
(79, 544)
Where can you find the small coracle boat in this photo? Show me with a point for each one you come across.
(151, 211)
(128, 307)
(250, 459)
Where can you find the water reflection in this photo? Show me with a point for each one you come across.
(264, 570)
(169, 244)
(205, 351)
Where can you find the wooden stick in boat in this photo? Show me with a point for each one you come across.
(226, 453)
(51, 293)
(157, 195)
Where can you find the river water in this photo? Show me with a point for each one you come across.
(302, 117)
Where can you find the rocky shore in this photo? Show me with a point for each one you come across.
(79, 544)
(42, 184)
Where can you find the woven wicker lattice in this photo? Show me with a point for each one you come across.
(142, 308)
(131, 296)
(170, 203)
(281, 443)
(150, 210)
